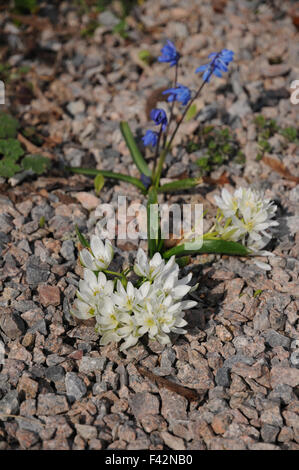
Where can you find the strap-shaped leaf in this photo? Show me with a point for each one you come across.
(178, 185)
(222, 247)
(99, 182)
(81, 237)
(134, 150)
(108, 174)
(153, 225)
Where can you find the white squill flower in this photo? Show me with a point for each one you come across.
(123, 312)
(92, 292)
(154, 268)
(228, 203)
(247, 218)
(99, 256)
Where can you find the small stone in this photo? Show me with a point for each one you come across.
(36, 271)
(223, 377)
(269, 433)
(28, 340)
(92, 364)
(26, 438)
(283, 392)
(173, 442)
(174, 406)
(86, 431)
(284, 375)
(95, 444)
(248, 372)
(55, 373)
(285, 435)
(88, 200)
(28, 386)
(272, 416)
(126, 433)
(276, 70)
(6, 223)
(276, 339)
(144, 403)
(207, 113)
(50, 404)
(263, 446)
(76, 107)
(75, 387)
(11, 324)
(59, 443)
(152, 423)
(223, 333)
(10, 403)
(107, 18)
(221, 422)
(67, 250)
(49, 295)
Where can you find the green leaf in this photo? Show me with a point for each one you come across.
(180, 185)
(8, 126)
(42, 221)
(8, 168)
(26, 6)
(108, 174)
(153, 225)
(183, 261)
(257, 293)
(99, 182)
(222, 247)
(37, 163)
(134, 150)
(191, 113)
(81, 237)
(11, 148)
(145, 56)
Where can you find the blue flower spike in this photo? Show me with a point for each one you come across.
(218, 64)
(159, 116)
(150, 138)
(146, 180)
(181, 93)
(169, 54)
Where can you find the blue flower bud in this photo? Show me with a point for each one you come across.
(169, 54)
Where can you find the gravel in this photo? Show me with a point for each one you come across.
(240, 352)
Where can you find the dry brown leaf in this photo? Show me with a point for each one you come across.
(33, 149)
(186, 392)
(219, 5)
(279, 168)
(153, 99)
(223, 179)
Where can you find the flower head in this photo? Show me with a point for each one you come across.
(150, 138)
(159, 117)
(99, 256)
(180, 93)
(218, 64)
(169, 54)
(125, 313)
(247, 216)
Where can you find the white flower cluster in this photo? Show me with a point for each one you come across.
(128, 312)
(245, 217)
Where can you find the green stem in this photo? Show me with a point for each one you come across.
(172, 106)
(168, 146)
(157, 149)
(108, 174)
